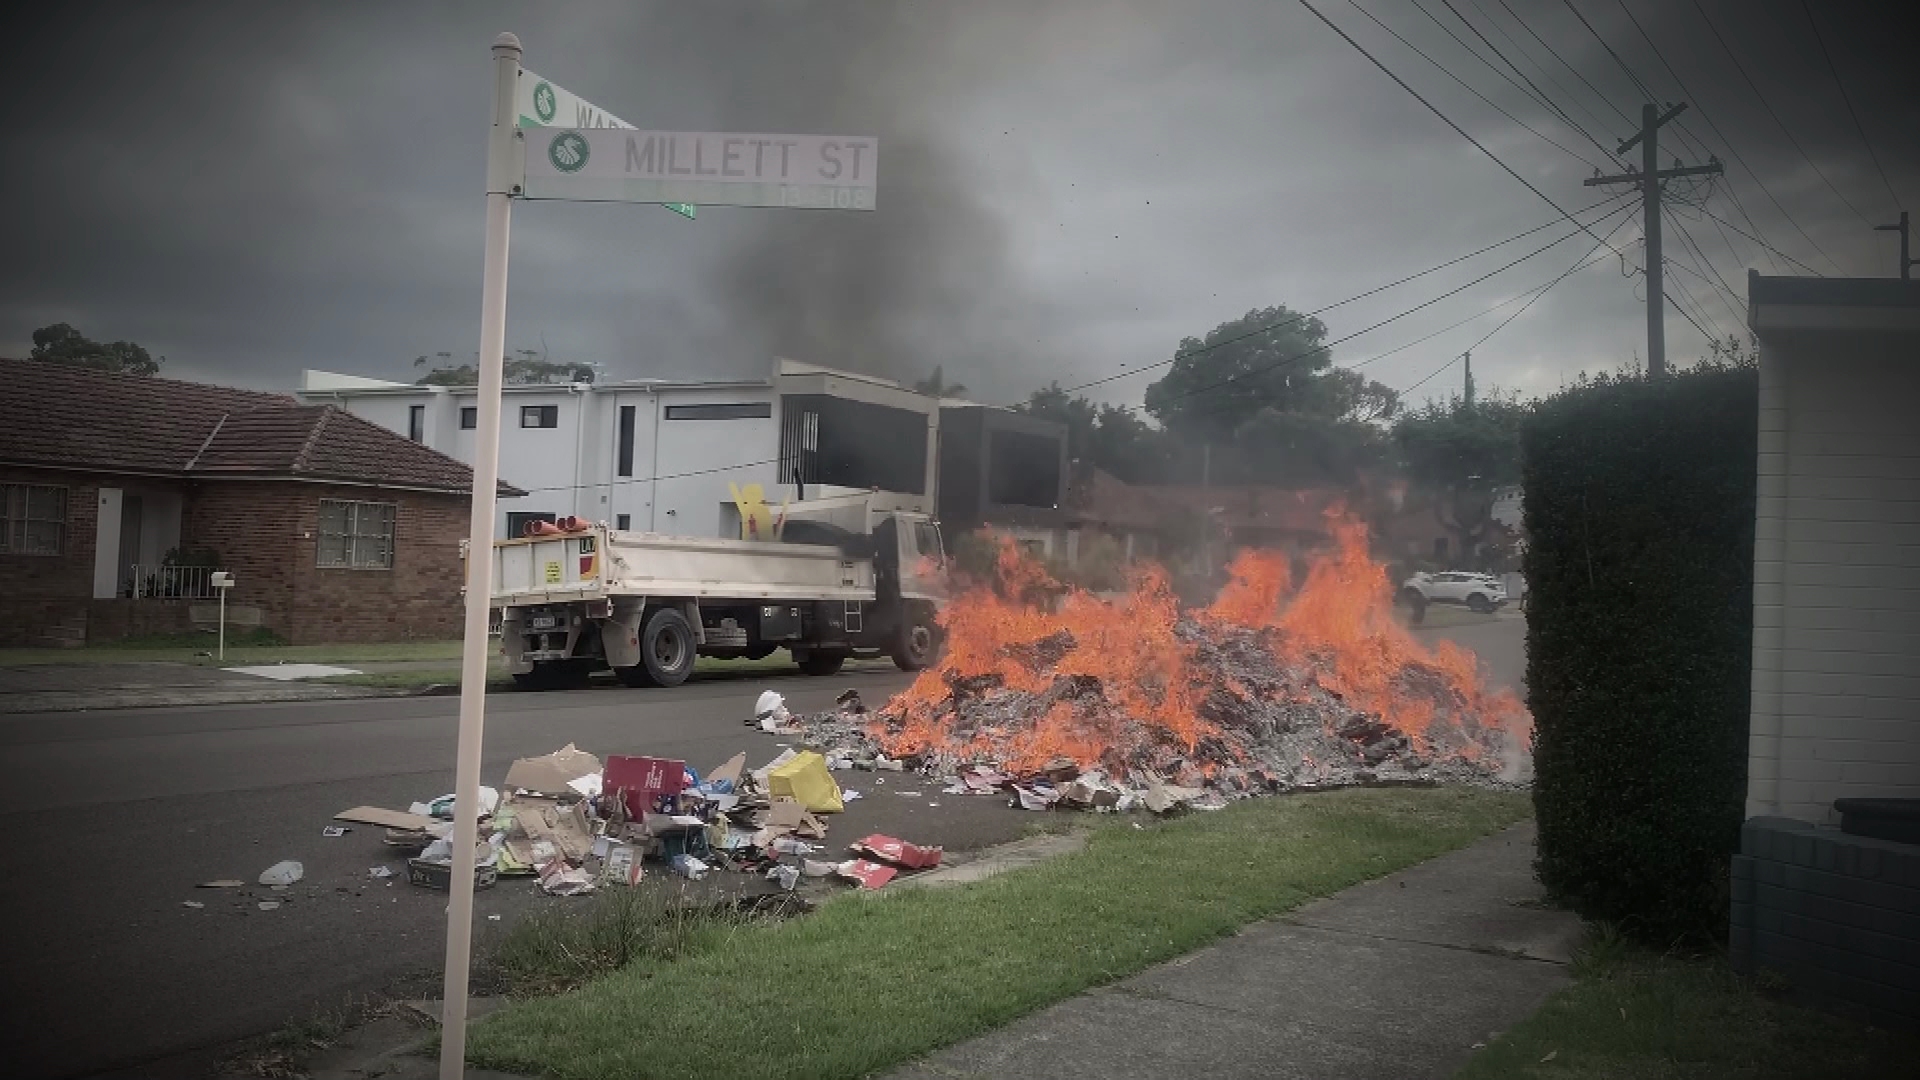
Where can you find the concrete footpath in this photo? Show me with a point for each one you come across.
(1399, 978)
(70, 687)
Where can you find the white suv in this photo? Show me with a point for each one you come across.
(1481, 592)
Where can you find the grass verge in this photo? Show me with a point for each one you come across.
(557, 949)
(1637, 1013)
(278, 1054)
(870, 981)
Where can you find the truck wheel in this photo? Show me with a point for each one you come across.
(667, 651)
(823, 663)
(915, 646)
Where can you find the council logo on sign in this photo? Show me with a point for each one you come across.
(544, 104)
(568, 151)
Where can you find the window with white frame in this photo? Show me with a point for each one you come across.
(33, 519)
(356, 535)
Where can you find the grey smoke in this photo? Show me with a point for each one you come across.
(928, 278)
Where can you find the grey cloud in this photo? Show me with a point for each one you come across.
(1067, 188)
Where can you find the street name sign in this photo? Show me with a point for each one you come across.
(817, 172)
(541, 103)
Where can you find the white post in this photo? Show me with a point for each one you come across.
(486, 468)
(223, 626)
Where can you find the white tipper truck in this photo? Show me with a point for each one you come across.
(849, 576)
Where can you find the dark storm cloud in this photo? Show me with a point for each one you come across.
(1067, 189)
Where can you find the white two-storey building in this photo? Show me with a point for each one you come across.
(663, 456)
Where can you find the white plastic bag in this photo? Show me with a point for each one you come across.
(282, 873)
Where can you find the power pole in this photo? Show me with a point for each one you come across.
(1468, 357)
(1649, 177)
(1906, 264)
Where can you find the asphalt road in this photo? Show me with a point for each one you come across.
(116, 815)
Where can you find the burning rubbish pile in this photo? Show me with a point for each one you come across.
(1067, 699)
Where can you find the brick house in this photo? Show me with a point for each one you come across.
(120, 494)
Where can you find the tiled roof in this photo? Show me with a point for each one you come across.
(53, 414)
(1105, 499)
(62, 415)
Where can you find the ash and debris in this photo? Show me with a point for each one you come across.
(1267, 726)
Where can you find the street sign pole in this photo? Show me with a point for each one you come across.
(595, 163)
(502, 185)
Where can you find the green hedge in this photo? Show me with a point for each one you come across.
(1639, 520)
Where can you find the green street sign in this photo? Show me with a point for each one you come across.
(540, 103)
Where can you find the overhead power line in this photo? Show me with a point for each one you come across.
(1762, 243)
(1531, 90)
(1732, 152)
(1589, 259)
(1762, 98)
(1533, 294)
(1726, 289)
(1842, 85)
(1576, 155)
(1444, 118)
(1719, 331)
(1626, 215)
(650, 479)
(1325, 346)
(1592, 117)
(1622, 64)
(1303, 316)
(1555, 53)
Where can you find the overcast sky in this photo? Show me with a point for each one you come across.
(1066, 189)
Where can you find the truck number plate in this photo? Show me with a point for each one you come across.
(543, 622)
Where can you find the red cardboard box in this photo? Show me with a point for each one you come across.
(650, 784)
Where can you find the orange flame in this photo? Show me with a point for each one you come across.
(1026, 632)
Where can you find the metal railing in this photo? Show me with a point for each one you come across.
(171, 583)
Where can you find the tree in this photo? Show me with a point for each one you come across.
(1106, 437)
(1266, 359)
(528, 367)
(936, 385)
(1264, 390)
(1305, 449)
(62, 344)
(1464, 453)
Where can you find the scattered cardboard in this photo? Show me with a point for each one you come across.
(552, 774)
(661, 824)
(622, 866)
(1161, 798)
(899, 852)
(538, 819)
(785, 816)
(392, 819)
(559, 879)
(728, 774)
(1090, 793)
